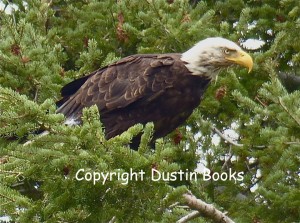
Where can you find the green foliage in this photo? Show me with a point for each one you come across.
(46, 44)
(277, 126)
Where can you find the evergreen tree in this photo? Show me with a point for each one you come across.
(46, 44)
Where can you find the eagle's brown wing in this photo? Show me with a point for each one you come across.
(120, 84)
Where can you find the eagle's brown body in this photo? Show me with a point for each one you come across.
(159, 88)
(137, 89)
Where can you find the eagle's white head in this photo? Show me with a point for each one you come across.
(208, 56)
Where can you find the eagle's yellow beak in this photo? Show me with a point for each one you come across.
(242, 58)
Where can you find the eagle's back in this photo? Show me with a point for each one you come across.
(137, 89)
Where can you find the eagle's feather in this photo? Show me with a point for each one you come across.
(138, 89)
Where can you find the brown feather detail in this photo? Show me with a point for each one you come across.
(139, 89)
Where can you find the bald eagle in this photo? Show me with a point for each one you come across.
(159, 88)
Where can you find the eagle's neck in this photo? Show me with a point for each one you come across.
(201, 63)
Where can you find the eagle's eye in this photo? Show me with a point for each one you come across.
(227, 51)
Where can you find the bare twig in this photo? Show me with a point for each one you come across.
(260, 147)
(189, 217)
(260, 101)
(228, 159)
(219, 133)
(225, 137)
(36, 94)
(207, 210)
(183, 206)
(113, 219)
(292, 143)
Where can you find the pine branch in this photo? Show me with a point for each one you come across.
(11, 172)
(39, 136)
(8, 198)
(225, 137)
(174, 205)
(206, 209)
(189, 217)
(287, 111)
(160, 20)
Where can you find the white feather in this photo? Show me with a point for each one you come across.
(204, 53)
(71, 121)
